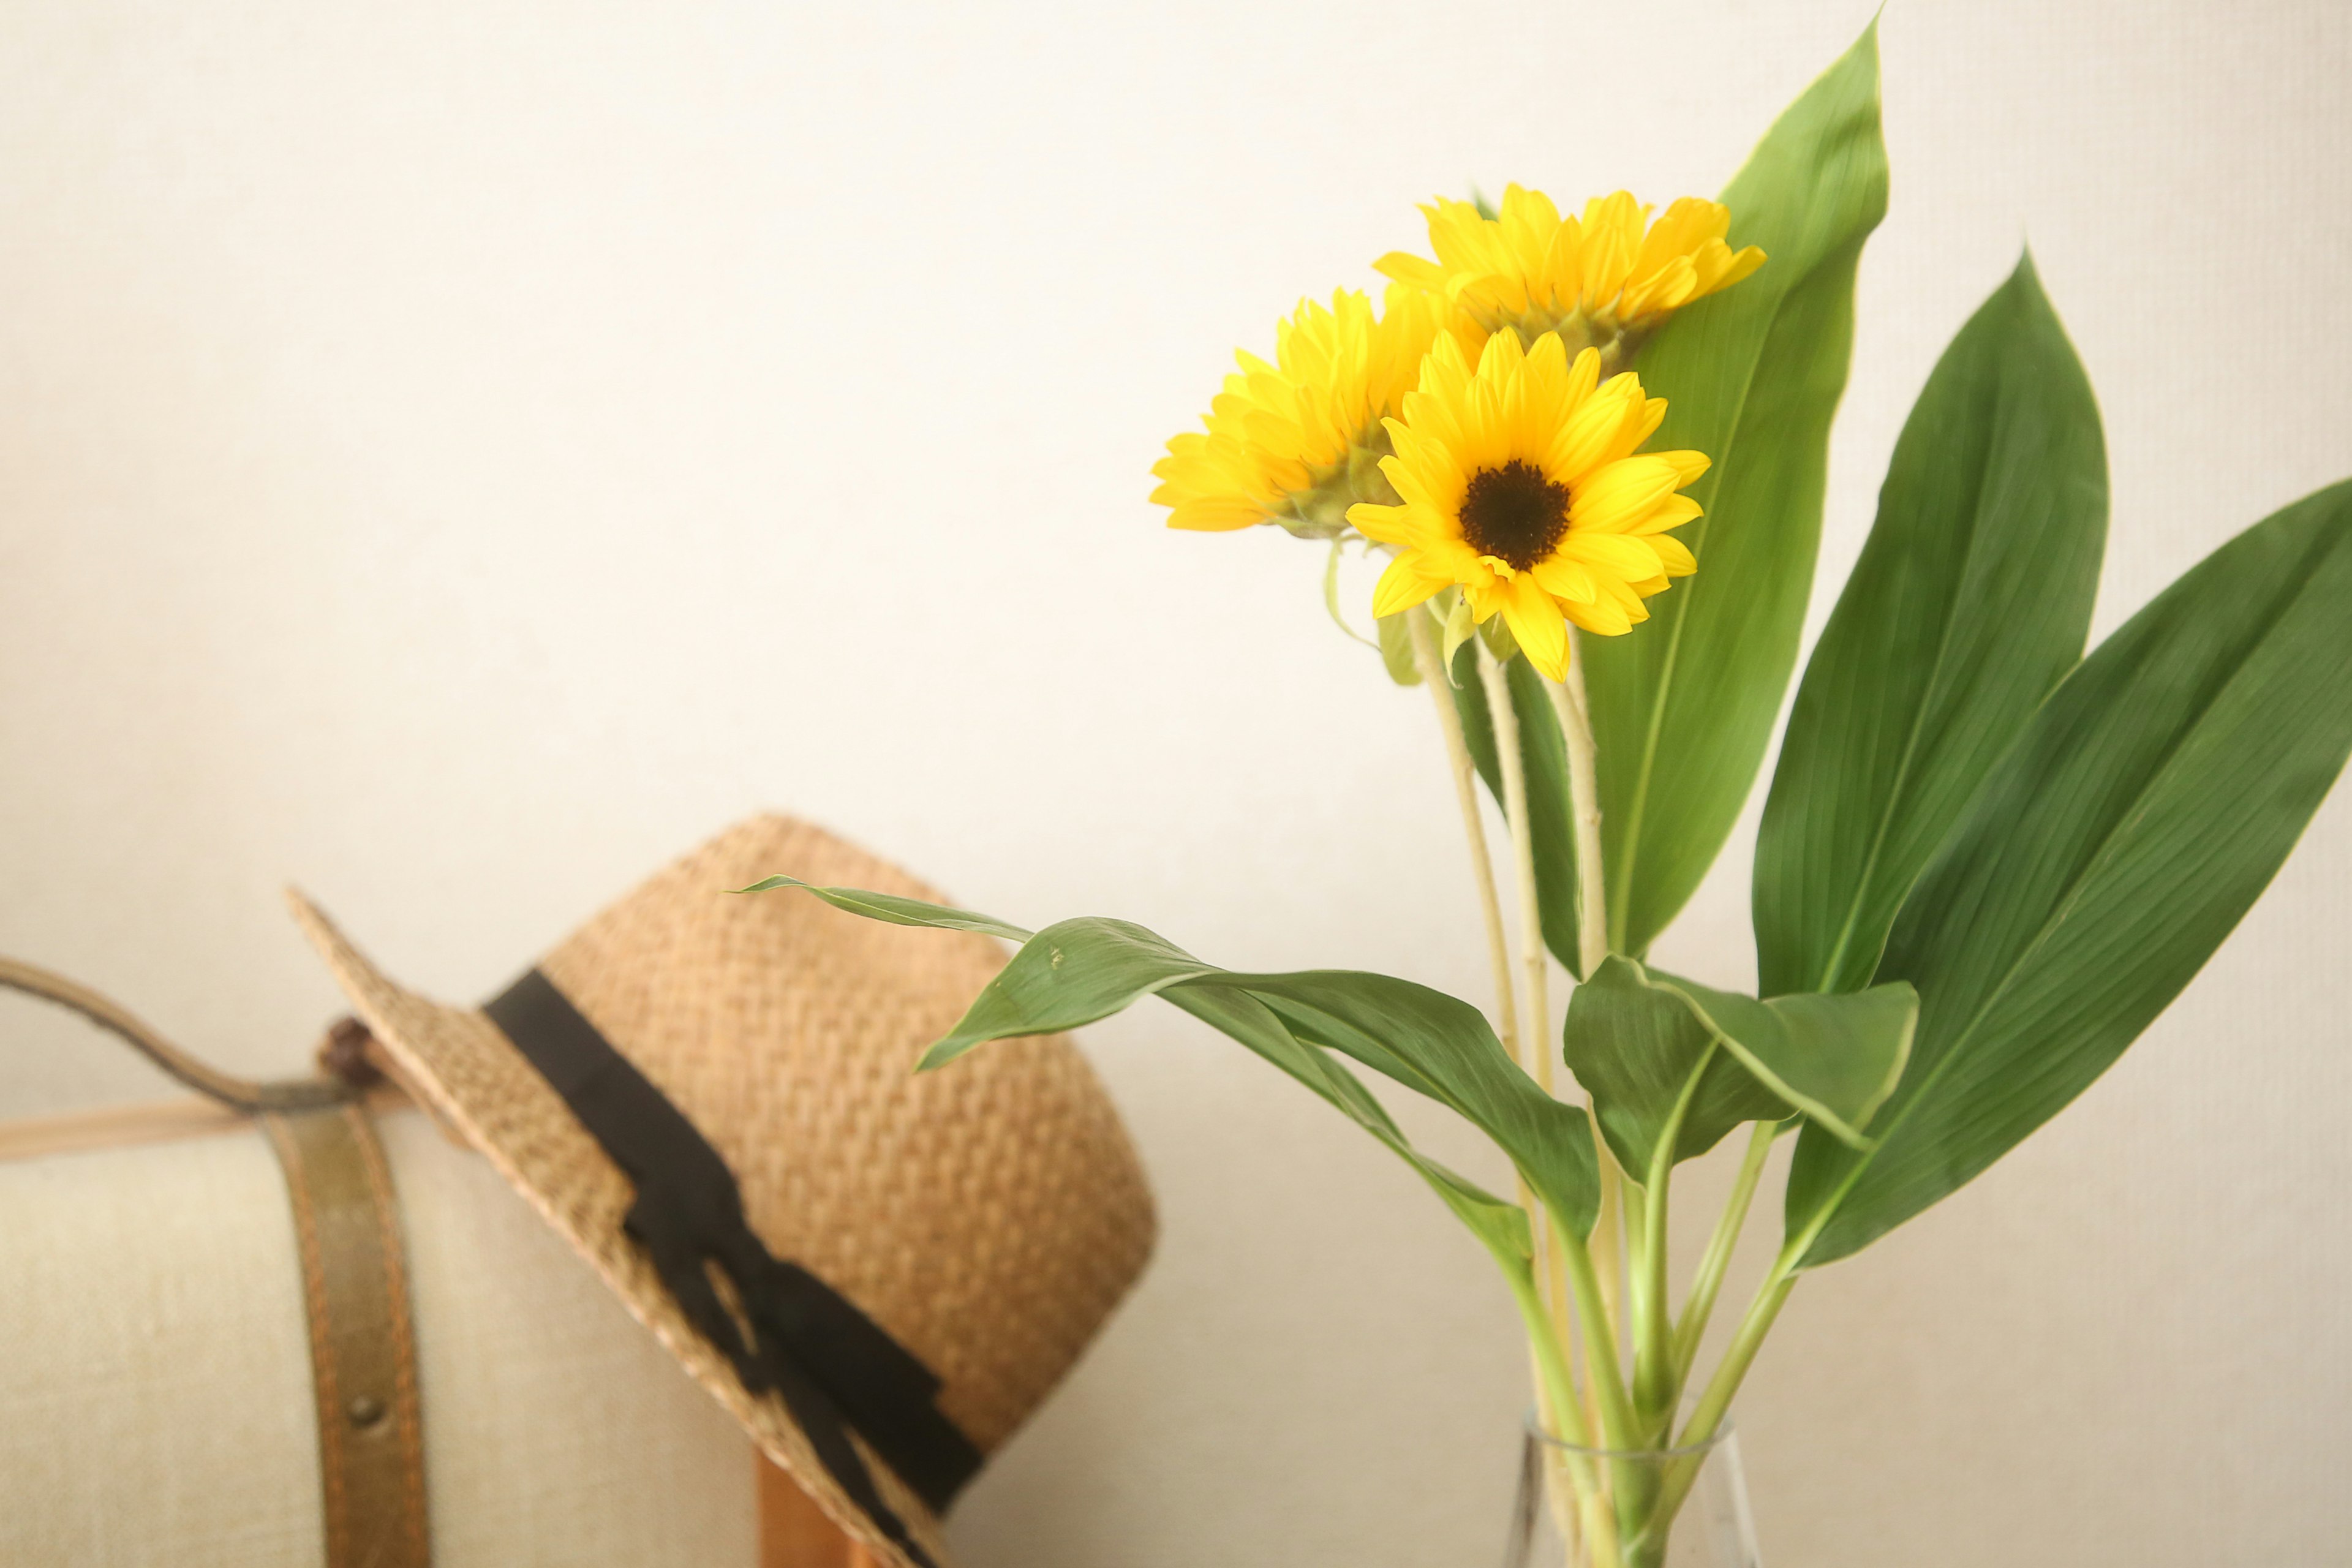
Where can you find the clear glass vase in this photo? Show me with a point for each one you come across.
(1600, 1507)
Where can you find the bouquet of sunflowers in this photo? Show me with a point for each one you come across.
(1592, 451)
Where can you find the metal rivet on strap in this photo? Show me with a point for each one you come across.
(366, 1411)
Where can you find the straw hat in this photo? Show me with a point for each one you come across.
(915, 1261)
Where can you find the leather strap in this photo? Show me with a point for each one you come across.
(362, 1345)
(202, 1076)
(354, 1282)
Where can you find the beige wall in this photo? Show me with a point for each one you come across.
(455, 455)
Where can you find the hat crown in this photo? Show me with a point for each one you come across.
(988, 1216)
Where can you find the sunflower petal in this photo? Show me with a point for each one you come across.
(1536, 622)
(1403, 587)
(1564, 579)
(1277, 430)
(1614, 497)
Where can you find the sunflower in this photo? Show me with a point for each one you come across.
(1297, 441)
(1597, 280)
(1521, 487)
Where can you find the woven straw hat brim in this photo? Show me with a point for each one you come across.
(477, 1080)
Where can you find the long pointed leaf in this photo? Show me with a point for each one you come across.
(2146, 805)
(1684, 706)
(1078, 971)
(1970, 602)
(894, 910)
(1500, 1225)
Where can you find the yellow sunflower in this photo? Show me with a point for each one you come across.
(1297, 441)
(1521, 487)
(1599, 280)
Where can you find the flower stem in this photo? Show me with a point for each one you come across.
(1574, 711)
(1466, 790)
(1533, 960)
(1546, 1261)
(1535, 1053)
(1571, 707)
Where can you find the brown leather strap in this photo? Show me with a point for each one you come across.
(362, 1346)
(354, 1282)
(794, 1533)
(202, 1076)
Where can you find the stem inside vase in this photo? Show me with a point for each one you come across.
(1601, 1508)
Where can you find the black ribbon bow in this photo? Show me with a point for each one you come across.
(835, 1368)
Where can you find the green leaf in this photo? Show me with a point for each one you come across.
(1973, 599)
(1637, 1049)
(1396, 648)
(1835, 1057)
(894, 910)
(1665, 1057)
(1078, 971)
(1544, 755)
(2146, 806)
(1443, 1048)
(1499, 1224)
(1684, 706)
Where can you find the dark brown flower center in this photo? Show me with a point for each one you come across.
(1514, 513)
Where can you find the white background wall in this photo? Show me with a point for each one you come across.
(458, 456)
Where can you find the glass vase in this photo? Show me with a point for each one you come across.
(1601, 1508)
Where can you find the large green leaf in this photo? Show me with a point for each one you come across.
(1970, 602)
(2146, 806)
(1079, 971)
(1544, 755)
(1500, 1225)
(1660, 1054)
(1683, 705)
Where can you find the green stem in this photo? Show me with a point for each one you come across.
(1706, 1417)
(1653, 1314)
(1607, 1232)
(1550, 1359)
(1603, 1374)
(1592, 1497)
(1637, 1284)
(1656, 1386)
(1708, 1282)
(1634, 1485)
